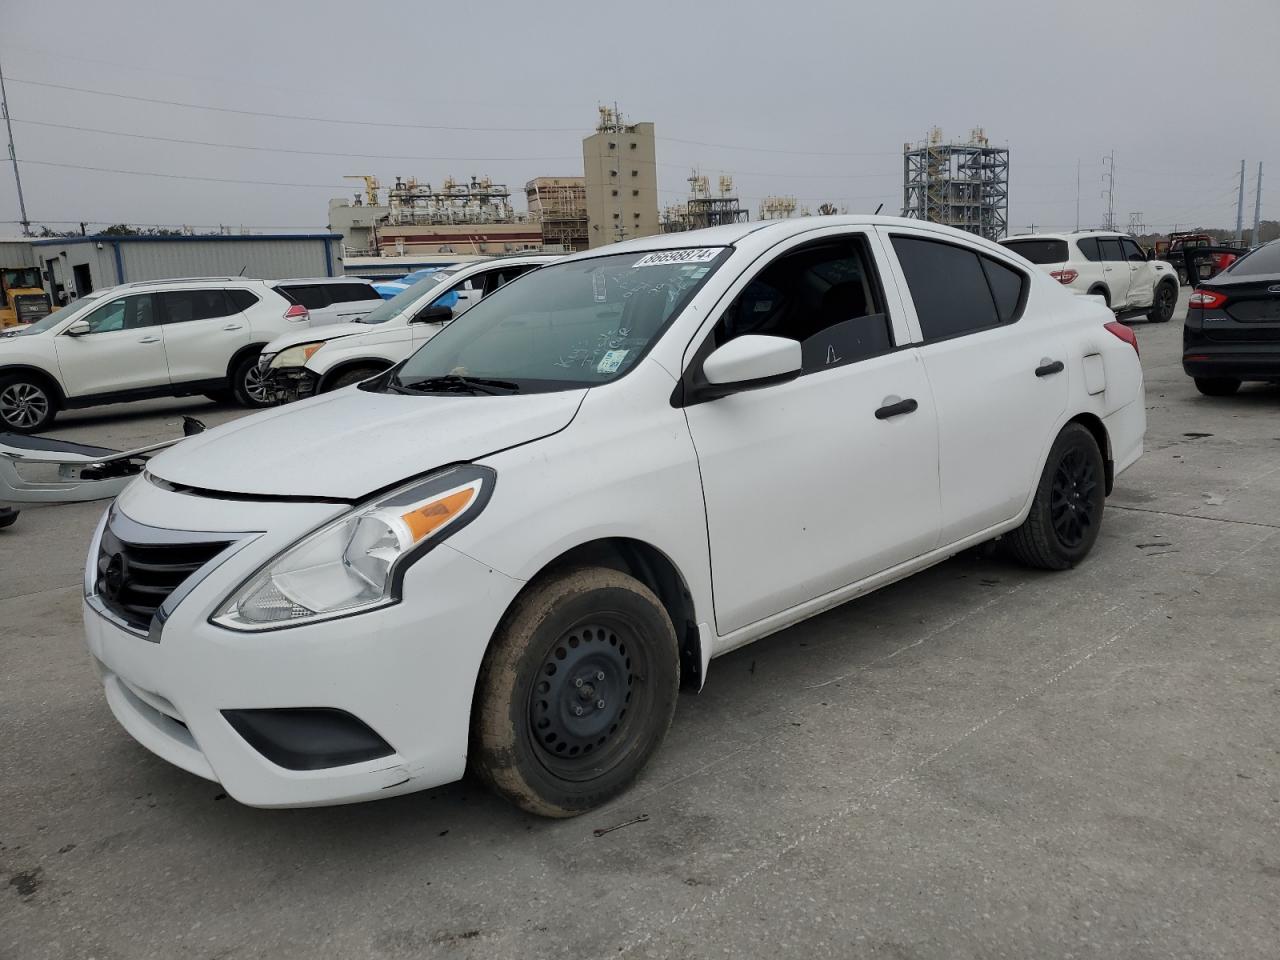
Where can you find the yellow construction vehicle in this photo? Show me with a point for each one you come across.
(22, 298)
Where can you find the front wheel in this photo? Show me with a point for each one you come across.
(575, 693)
(1066, 513)
(1162, 307)
(26, 405)
(347, 377)
(1217, 386)
(248, 384)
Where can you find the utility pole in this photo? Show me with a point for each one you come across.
(13, 158)
(1077, 194)
(1240, 207)
(1109, 174)
(1257, 208)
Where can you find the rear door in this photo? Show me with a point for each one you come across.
(203, 329)
(998, 375)
(124, 349)
(1115, 271)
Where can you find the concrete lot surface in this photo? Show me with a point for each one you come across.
(979, 762)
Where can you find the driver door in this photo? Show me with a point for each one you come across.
(124, 349)
(816, 483)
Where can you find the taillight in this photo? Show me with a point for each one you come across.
(1124, 333)
(1207, 299)
(1064, 276)
(297, 312)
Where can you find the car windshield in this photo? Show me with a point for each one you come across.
(44, 323)
(563, 326)
(1263, 261)
(1039, 251)
(405, 298)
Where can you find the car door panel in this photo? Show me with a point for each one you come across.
(203, 330)
(125, 350)
(807, 490)
(1142, 286)
(1115, 272)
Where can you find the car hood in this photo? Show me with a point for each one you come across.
(331, 331)
(348, 444)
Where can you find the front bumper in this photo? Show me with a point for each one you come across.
(406, 672)
(288, 384)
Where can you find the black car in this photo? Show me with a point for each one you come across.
(1232, 330)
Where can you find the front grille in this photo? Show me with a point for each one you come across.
(135, 578)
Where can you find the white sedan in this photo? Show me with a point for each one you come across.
(512, 549)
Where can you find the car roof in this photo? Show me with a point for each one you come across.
(1070, 235)
(342, 279)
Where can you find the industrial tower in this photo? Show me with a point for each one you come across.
(963, 185)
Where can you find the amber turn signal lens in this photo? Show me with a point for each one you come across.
(430, 517)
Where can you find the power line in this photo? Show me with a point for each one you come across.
(183, 176)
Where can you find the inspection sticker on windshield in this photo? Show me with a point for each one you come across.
(687, 255)
(611, 361)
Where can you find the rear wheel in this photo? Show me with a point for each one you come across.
(1217, 386)
(1101, 292)
(26, 404)
(575, 693)
(1066, 513)
(8, 517)
(221, 396)
(1166, 300)
(355, 375)
(248, 385)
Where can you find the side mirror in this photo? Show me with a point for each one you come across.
(433, 315)
(751, 361)
(79, 329)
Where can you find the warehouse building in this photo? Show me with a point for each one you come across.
(74, 266)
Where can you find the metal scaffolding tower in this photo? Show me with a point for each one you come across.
(963, 185)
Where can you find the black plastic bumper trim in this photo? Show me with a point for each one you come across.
(308, 738)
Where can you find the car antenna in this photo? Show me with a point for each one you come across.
(242, 270)
(879, 208)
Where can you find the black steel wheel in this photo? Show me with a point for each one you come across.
(576, 691)
(1066, 511)
(1165, 302)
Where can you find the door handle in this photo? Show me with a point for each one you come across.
(234, 326)
(893, 407)
(1048, 367)
(149, 340)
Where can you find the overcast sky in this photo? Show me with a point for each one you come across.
(814, 99)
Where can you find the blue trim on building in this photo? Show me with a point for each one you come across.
(328, 257)
(214, 238)
(115, 245)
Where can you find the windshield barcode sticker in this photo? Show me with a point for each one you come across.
(611, 361)
(689, 255)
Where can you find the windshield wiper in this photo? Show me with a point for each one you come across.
(455, 381)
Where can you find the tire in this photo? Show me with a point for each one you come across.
(575, 693)
(26, 404)
(347, 377)
(8, 517)
(221, 396)
(1217, 386)
(1066, 513)
(1165, 302)
(1101, 292)
(247, 386)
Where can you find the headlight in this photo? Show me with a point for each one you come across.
(356, 563)
(296, 356)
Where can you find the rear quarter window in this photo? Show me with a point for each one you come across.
(1039, 251)
(313, 296)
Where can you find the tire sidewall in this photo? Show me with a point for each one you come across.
(1159, 315)
(239, 388)
(346, 378)
(1072, 436)
(503, 751)
(52, 408)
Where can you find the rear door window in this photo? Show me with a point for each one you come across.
(181, 306)
(242, 299)
(1110, 247)
(500, 278)
(949, 286)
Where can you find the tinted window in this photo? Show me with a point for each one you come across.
(1264, 260)
(499, 278)
(313, 296)
(948, 285)
(1006, 286)
(1110, 248)
(1039, 251)
(827, 297)
(1132, 252)
(183, 305)
(352, 292)
(242, 299)
(1089, 248)
(127, 313)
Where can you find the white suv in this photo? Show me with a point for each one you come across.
(306, 362)
(139, 340)
(1109, 265)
